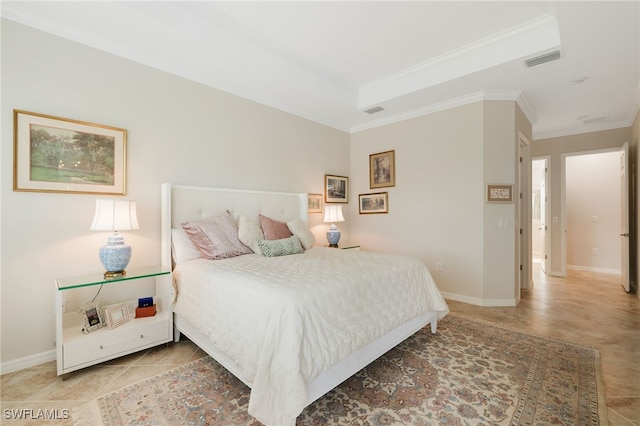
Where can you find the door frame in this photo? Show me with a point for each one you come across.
(547, 210)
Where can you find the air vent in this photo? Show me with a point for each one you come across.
(374, 110)
(547, 57)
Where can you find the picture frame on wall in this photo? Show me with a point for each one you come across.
(315, 203)
(382, 169)
(499, 193)
(53, 154)
(336, 189)
(116, 315)
(92, 317)
(375, 203)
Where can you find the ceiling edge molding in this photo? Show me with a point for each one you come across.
(532, 37)
(484, 95)
(582, 130)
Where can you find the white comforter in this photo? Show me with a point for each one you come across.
(284, 320)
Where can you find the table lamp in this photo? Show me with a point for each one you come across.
(333, 214)
(115, 215)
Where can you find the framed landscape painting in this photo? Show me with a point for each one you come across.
(382, 169)
(315, 203)
(53, 154)
(336, 189)
(374, 203)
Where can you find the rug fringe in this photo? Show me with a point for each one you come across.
(87, 414)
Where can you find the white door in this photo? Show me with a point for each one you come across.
(624, 214)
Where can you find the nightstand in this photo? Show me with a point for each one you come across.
(76, 349)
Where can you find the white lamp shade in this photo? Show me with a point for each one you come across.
(333, 214)
(115, 215)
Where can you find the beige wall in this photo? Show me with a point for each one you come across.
(555, 148)
(178, 131)
(437, 209)
(589, 180)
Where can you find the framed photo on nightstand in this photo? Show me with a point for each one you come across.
(92, 317)
(117, 315)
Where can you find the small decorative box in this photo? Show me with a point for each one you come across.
(146, 311)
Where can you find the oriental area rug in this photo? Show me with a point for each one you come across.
(469, 373)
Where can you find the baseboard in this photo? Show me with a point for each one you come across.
(26, 362)
(477, 301)
(594, 269)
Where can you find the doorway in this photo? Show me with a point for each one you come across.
(591, 211)
(540, 212)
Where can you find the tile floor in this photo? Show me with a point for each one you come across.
(585, 308)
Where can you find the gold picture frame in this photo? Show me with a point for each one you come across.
(499, 193)
(375, 203)
(53, 154)
(314, 202)
(382, 169)
(336, 189)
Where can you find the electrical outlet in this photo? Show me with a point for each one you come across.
(439, 266)
(594, 251)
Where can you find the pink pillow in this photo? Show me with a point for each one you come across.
(274, 229)
(216, 237)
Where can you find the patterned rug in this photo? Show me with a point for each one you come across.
(469, 373)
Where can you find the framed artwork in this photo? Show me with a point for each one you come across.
(315, 203)
(92, 317)
(117, 315)
(336, 189)
(499, 193)
(374, 203)
(382, 169)
(53, 154)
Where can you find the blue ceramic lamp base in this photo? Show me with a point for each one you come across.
(115, 256)
(333, 236)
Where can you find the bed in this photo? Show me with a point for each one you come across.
(294, 326)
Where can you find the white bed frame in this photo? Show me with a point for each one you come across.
(182, 203)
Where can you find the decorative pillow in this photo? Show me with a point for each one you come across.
(281, 247)
(216, 237)
(249, 233)
(182, 246)
(300, 230)
(273, 229)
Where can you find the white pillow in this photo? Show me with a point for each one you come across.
(300, 230)
(249, 233)
(182, 246)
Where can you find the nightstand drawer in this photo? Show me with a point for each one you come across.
(106, 344)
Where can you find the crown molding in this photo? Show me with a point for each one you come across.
(532, 37)
(483, 95)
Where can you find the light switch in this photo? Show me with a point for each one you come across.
(503, 223)
(594, 219)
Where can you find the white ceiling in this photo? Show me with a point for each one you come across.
(328, 61)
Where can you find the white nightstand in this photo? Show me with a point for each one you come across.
(76, 350)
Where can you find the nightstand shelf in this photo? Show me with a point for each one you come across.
(76, 349)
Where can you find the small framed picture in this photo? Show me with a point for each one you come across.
(92, 317)
(117, 315)
(382, 169)
(499, 193)
(336, 189)
(315, 203)
(374, 203)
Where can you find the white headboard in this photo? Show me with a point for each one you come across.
(183, 203)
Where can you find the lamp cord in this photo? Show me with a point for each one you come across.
(94, 297)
